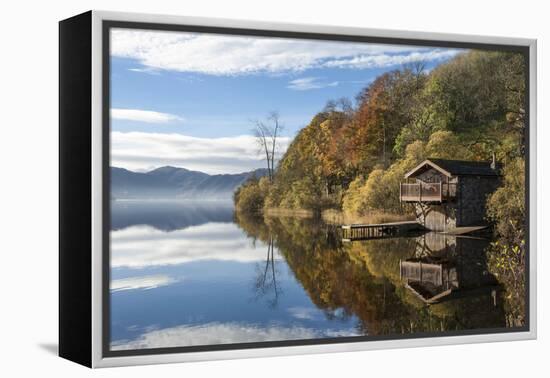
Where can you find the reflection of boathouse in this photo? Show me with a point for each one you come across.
(450, 193)
(443, 265)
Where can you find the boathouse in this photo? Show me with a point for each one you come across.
(450, 193)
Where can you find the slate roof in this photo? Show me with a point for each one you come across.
(458, 167)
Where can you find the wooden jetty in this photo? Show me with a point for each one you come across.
(351, 232)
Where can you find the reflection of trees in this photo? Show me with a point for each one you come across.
(265, 283)
(266, 279)
(474, 307)
(362, 279)
(508, 264)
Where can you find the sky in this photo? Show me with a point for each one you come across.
(191, 99)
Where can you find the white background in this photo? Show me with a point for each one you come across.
(28, 191)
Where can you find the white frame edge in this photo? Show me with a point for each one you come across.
(97, 356)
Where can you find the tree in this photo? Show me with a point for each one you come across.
(385, 107)
(250, 196)
(267, 136)
(506, 258)
(506, 206)
(446, 145)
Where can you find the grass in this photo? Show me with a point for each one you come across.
(338, 217)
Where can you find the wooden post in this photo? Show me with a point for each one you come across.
(400, 191)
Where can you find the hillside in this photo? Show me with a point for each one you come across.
(172, 182)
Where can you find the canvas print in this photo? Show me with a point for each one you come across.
(275, 189)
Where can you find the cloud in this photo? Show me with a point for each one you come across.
(243, 55)
(145, 246)
(150, 71)
(304, 313)
(308, 83)
(147, 116)
(386, 60)
(141, 151)
(144, 282)
(224, 333)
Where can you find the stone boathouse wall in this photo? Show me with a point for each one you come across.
(467, 209)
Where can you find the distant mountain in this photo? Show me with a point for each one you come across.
(172, 182)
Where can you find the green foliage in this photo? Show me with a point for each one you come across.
(507, 262)
(446, 145)
(480, 97)
(250, 196)
(300, 195)
(353, 202)
(506, 206)
(381, 189)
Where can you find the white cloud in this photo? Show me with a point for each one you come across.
(145, 246)
(140, 151)
(386, 60)
(302, 313)
(240, 55)
(308, 83)
(147, 116)
(225, 333)
(150, 71)
(143, 282)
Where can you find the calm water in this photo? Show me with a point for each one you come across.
(185, 274)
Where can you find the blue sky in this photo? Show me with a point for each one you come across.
(211, 106)
(189, 99)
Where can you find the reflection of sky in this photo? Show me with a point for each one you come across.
(224, 333)
(141, 246)
(144, 282)
(196, 285)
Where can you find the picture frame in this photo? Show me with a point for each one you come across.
(85, 150)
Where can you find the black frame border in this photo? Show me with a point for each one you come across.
(107, 25)
(75, 189)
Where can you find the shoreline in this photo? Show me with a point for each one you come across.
(337, 217)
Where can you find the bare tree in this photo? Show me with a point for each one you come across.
(267, 135)
(342, 105)
(418, 69)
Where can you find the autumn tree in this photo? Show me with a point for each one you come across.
(385, 106)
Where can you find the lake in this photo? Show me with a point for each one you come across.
(188, 274)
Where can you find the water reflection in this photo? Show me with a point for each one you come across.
(208, 283)
(364, 278)
(265, 284)
(235, 278)
(446, 266)
(223, 333)
(168, 215)
(145, 246)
